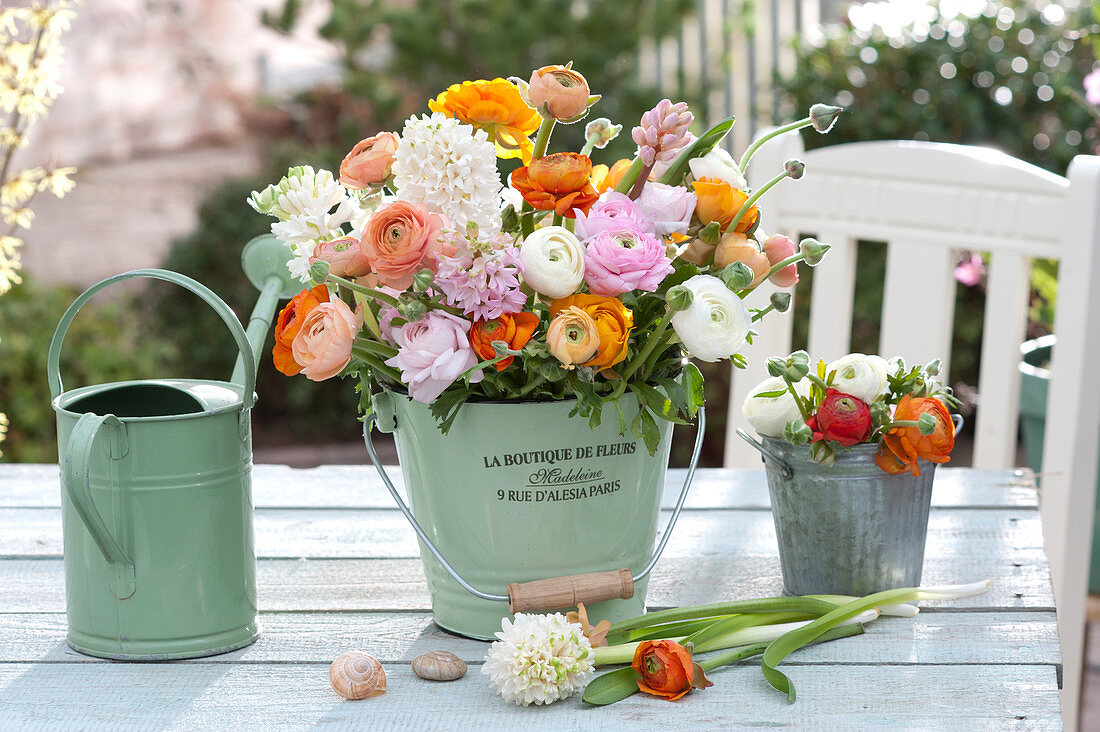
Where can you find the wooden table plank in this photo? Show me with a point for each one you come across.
(296, 696)
(1021, 582)
(929, 638)
(378, 534)
(358, 486)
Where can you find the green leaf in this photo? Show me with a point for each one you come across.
(645, 427)
(693, 383)
(676, 394)
(611, 687)
(674, 176)
(771, 394)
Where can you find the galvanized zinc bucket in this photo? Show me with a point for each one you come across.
(157, 505)
(518, 494)
(848, 528)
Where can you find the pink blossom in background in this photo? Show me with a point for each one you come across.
(1092, 87)
(970, 271)
(618, 261)
(613, 210)
(484, 284)
(668, 207)
(432, 353)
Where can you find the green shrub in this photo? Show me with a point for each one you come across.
(110, 340)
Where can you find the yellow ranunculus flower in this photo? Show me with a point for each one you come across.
(613, 324)
(496, 107)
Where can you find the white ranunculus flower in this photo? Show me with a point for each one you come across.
(715, 324)
(718, 164)
(552, 259)
(864, 377)
(769, 415)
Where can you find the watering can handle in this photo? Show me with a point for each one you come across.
(53, 362)
(555, 592)
(76, 478)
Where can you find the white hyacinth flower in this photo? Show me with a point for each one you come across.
(539, 659)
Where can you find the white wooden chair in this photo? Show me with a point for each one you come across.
(926, 200)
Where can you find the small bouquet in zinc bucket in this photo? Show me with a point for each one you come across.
(850, 450)
(527, 341)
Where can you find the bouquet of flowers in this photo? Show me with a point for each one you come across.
(574, 280)
(856, 399)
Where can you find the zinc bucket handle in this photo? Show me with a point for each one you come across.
(556, 592)
(53, 362)
(76, 477)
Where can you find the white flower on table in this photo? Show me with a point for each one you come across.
(539, 659)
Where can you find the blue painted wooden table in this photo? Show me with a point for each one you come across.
(339, 570)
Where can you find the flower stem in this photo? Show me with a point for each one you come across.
(557, 219)
(744, 164)
(376, 364)
(760, 605)
(797, 399)
(355, 287)
(542, 139)
(539, 380)
(753, 199)
(643, 176)
(793, 259)
(651, 343)
(379, 349)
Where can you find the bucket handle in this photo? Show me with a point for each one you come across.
(76, 478)
(53, 362)
(556, 592)
(784, 466)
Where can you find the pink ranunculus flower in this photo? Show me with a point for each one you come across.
(614, 210)
(345, 257)
(369, 162)
(323, 345)
(432, 352)
(400, 239)
(621, 260)
(668, 207)
(778, 248)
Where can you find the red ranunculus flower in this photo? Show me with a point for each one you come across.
(841, 418)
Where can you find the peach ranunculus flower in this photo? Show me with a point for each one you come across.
(718, 201)
(345, 257)
(400, 239)
(572, 337)
(736, 247)
(563, 92)
(496, 107)
(369, 162)
(560, 182)
(323, 344)
(289, 323)
(614, 322)
(604, 178)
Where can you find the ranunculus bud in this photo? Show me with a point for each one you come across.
(736, 276)
(794, 367)
(411, 308)
(823, 116)
(711, 234)
(840, 418)
(678, 298)
(370, 162)
(778, 248)
(422, 280)
(795, 169)
(600, 131)
(933, 367)
(318, 272)
(781, 301)
(736, 247)
(797, 432)
(926, 424)
(813, 250)
(559, 91)
(509, 219)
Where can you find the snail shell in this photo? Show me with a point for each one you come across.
(355, 675)
(439, 666)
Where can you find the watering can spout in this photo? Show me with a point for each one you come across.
(264, 260)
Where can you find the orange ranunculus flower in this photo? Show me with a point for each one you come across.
(496, 107)
(667, 669)
(613, 324)
(604, 178)
(736, 247)
(718, 201)
(902, 446)
(560, 182)
(515, 330)
(289, 324)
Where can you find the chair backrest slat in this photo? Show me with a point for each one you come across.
(918, 302)
(832, 297)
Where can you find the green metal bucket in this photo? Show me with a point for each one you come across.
(157, 505)
(518, 492)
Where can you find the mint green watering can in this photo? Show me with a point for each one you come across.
(156, 491)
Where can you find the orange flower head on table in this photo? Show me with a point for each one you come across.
(560, 182)
(667, 669)
(496, 107)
